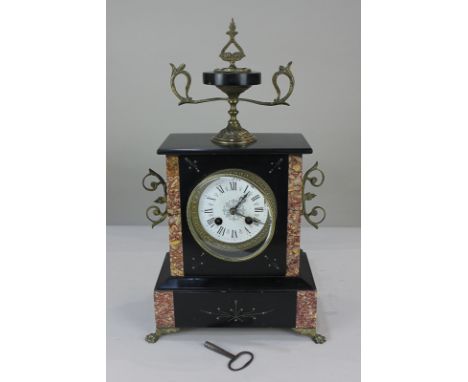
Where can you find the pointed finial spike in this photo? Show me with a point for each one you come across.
(232, 29)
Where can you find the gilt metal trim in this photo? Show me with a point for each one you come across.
(155, 210)
(216, 247)
(307, 196)
(180, 70)
(279, 100)
(233, 134)
(312, 333)
(232, 57)
(152, 338)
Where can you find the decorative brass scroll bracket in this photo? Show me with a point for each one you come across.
(180, 70)
(279, 100)
(154, 210)
(307, 196)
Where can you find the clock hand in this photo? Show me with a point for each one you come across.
(240, 202)
(254, 219)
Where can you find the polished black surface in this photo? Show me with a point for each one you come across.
(267, 143)
(213, 301)
(232, 79)
(271, 168)
(235, 309)
(225, 284)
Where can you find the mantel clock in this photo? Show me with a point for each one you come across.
(234, 203)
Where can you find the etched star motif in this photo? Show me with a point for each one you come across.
(235, 314)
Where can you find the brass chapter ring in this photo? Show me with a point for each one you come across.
(237, 356)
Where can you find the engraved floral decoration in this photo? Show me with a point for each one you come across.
(314, 181)
(198, 262)
(236, 313)
(154, 213)
(192, 164)
(275, 165)
(271, 263)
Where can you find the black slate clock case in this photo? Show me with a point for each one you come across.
(251, 293)
(278, 181)
(267, 158)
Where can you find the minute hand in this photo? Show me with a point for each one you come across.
(240, 201)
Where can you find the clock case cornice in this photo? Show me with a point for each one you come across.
(267, 143)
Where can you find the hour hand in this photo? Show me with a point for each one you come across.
(254, 220)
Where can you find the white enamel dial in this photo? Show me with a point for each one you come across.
(232, 210)
(231, 214)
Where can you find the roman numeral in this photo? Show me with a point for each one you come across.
(234, 234)
(210, 221)
(255, 198)
(258, 209)
(210, 198)
(210, 211)
(221, 231)
(220, 189)
(233, 186)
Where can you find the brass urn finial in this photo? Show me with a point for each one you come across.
(232, 57)
(232, 81)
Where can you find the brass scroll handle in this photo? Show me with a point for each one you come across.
(279, 100)
(307, 196)
(283, 70)
(180, 70)
(154, 213)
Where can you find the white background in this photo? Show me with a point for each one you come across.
(52, 160)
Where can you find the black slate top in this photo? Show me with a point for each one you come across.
(267, 143)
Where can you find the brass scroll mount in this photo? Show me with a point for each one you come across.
(279, 100)
(314, 181)
(154, 213)
(180, 70)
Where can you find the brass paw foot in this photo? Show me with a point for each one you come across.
(154, 337)
(318, 339)
(312, 333)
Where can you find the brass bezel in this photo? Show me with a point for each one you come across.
(209, 243)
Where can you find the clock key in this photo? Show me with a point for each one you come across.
(233, 357)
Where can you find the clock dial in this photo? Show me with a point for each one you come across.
(232, 209)
(231, 214)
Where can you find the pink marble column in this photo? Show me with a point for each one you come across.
(164, 309)
(294, 215)
(306, 309)
(174, 216)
